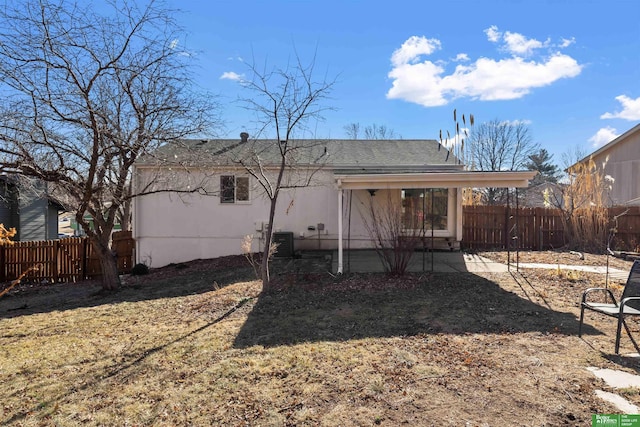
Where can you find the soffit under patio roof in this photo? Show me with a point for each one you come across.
(476, 179)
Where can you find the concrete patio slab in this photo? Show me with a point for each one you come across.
(616, 379)
(623, 405)
(368, 261)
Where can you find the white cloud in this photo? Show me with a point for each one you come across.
(230, 75)
(462, 57)
(603, 137)
(419, 83)
(174, 43)
(517, 122)
(493, 34)
(567, 42)
(412, 49)
(520, 45)
(425, 82)
(515, 43)
(630, 109)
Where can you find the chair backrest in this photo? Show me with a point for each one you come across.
(632, 288)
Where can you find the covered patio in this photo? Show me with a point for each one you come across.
(451, 184)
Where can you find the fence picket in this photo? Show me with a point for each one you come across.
(66, 260)
(490, 227)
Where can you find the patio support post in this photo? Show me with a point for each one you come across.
(507, 232)
(517, 232)
(340, 194)
(459, 215)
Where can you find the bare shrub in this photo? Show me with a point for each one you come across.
(585, 214)
(254, 258)
(6, 235)
(395, 235)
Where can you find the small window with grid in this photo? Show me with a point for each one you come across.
(234, 189)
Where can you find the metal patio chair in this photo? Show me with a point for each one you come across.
(629, 304)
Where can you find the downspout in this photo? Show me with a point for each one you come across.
(459, 216)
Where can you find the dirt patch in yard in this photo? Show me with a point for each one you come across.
(199, 344)
(558, 257)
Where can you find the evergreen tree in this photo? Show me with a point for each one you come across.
(547, 170)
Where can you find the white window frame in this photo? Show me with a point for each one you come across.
(235, 200)
(447, 231)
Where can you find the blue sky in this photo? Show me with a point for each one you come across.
(570, 69)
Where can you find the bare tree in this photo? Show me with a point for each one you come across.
(85, 95)
(499, 146)
(373, 131)
(352, 130)
(285, 100)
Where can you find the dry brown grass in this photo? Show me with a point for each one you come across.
(442, 349)
(563, 257)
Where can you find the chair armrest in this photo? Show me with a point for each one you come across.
(592, 290)
(626, 301)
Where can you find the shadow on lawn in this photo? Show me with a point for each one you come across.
(167, 282)
(438, 303)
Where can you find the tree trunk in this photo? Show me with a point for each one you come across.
(264, 265)
(109, 267)
(125, 215)
(264, 268)
(124, 211)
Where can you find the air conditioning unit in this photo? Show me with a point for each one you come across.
(284, 240)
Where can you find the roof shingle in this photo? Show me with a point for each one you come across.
(346, 156)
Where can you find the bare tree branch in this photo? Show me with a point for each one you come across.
(499, 146)
(371, 132)
(285, 101)
(88, 95)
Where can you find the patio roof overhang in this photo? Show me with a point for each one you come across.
(458, 179)
(502, 179)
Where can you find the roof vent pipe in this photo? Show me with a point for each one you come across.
(244, 136)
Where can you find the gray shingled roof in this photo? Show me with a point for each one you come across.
(341, 155)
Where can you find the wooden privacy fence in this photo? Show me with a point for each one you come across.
(65, 260)
(627, 224)
(502, 227)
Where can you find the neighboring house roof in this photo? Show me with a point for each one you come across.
(544, 195)
(609, 146)
(14, 180)
(343, 156)
(619, 162)
(25, 205)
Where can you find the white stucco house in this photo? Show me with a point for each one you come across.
(215, 203)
